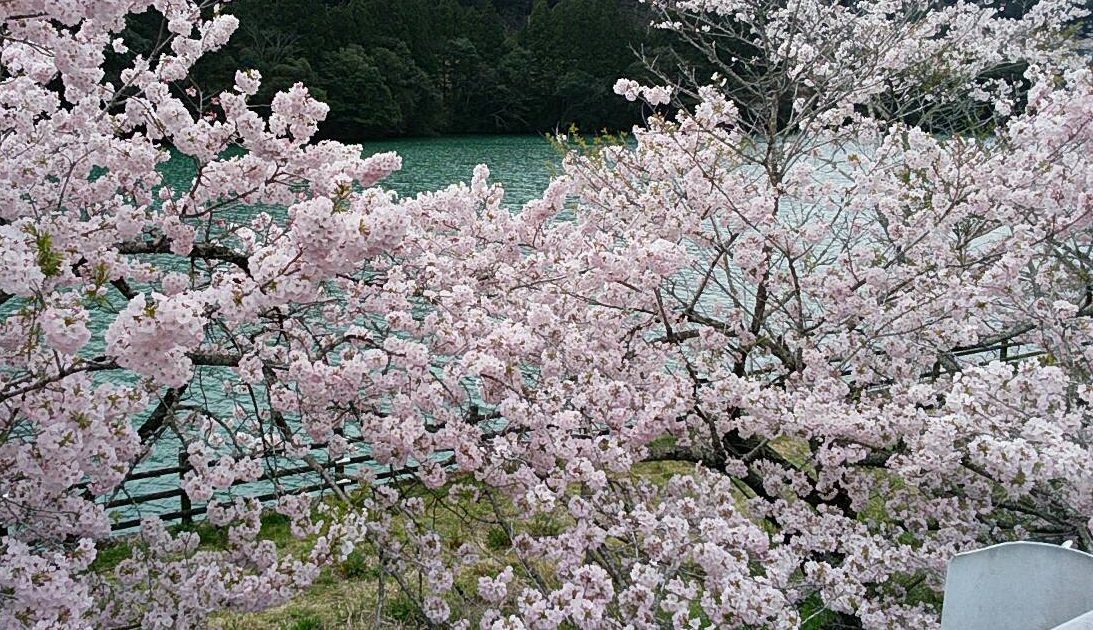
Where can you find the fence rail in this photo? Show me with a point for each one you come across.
(305, 478)
(343, 471)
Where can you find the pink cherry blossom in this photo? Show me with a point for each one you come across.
(857, 332)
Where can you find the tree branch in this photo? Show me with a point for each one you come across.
(200, 251)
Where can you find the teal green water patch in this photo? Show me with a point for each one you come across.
(523, 165)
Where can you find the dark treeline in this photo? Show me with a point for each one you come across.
(421, 67)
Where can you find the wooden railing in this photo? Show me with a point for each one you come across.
(342, 471)
(305, 478)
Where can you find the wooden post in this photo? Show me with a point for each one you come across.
(184, 504)
(339, 464)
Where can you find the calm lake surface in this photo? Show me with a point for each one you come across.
(522, 164)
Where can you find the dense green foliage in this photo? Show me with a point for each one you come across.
(424, 67)
(419, 67)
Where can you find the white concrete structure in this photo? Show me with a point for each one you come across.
(1019, 586)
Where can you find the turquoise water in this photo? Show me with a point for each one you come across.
(522, 164)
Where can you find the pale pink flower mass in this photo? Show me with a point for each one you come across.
(782, 355)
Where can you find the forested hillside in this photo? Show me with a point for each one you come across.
(423, 67)
(419, 67)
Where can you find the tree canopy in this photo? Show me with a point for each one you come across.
(863, 345)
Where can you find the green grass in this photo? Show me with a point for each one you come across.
(307, 622)
(498, 539)
(347, 595)
(110, 553)
(357, 593)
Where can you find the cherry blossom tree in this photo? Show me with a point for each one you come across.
(119, 294)
(847, 285)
